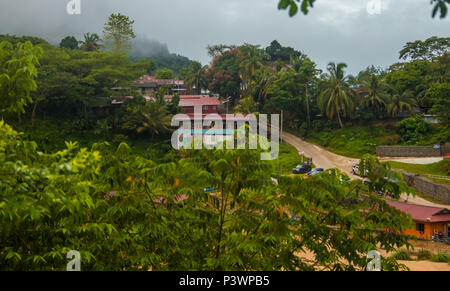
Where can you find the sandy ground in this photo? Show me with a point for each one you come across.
(412, 265)
(419, 161)
(328, 160)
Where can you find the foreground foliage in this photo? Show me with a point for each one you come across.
(125, 212)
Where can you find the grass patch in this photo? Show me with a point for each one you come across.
(441, 168)
(288, 159)
(354, 142)
(403, 255)
(440, 258)
(424, 255)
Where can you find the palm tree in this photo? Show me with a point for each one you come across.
(400, 101)
(376, 94)
(195, 77)
(91, 42)
(335, 100)
(246, 106)
(260, 84)
(253, 60)
(151, 117)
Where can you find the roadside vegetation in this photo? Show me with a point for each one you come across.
(430, 171)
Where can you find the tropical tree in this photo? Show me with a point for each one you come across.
(151, 118)
(400, 101)
(69, 42)
(18, 73)
(375, 94)
(253, 59)
(246, 106)
(335, 100)
(119, 32)
(195, 77)
(91, 42)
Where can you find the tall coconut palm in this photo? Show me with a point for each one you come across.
(376, 92)
(401, 101)
(253, 60)
(91, 42)
(335, 100)
(260, 84)
(195, 77)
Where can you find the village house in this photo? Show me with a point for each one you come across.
(149, 86)
(429, 221)
(209, 106)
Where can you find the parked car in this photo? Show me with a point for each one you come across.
(315, 172)
(355, 170)
(302, 169)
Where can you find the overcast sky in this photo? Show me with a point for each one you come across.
(335, 30)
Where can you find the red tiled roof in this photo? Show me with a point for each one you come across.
(422, 213)
(232, 117)
(206, 101)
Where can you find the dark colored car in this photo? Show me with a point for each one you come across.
(315, 172)
(302, 169)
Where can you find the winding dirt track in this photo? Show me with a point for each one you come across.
(328, 160)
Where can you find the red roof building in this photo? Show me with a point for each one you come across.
(429, 220)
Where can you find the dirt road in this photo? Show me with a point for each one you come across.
(328, 160)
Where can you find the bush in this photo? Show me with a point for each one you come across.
(424, 255)
(440, 258)
(403, 255)
(394, 139)
(414, 129)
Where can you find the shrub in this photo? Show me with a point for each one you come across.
(414, 129)
(440, 258)
(403, 255)
(424, 255)
(394, 139)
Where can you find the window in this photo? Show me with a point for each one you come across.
(206, 107)
(420, 227)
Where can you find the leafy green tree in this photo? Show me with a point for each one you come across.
(439, 94)
(128, 213)
(335, 100)
(119, 32)
(69, 42)
(425, 50)
(278, 52)
(91, 42)
(164, 74)
(414, 129)
(223, 75)
(17, 76)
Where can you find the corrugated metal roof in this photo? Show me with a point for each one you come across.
(422, 213)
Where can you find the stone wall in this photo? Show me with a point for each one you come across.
(412, 151)
(426, 186)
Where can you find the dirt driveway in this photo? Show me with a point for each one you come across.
(328, 160)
